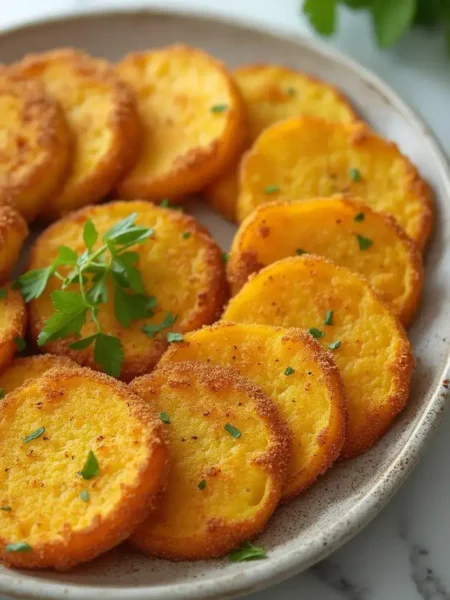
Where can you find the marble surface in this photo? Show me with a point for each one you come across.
(403, 554)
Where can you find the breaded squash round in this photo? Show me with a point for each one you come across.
(35, 143)
(228, 454)
(343, 230)
(102, 115)
(339, 309)
(293, 371)
(273, 93)
(13, 322)
(304, 158)
(81, 463)
(31, 367)
(194, 121)
(180, 265)
(13, 233)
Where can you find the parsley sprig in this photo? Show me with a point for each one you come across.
(86, 281)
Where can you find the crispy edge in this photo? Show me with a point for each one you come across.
(47, 361)
(210, 301)
(333, 436)
(243, 263)
(32, 190)
(221, 537)
(17, 323)
(123, 123)
(136, 501)
(196, 168)
(401, 368)
(13, 233)
(359, 134)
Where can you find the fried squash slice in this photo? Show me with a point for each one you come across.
(181, 268)
(102, 114)
(193, 117)
(81, 463)
(341, 311)
(35, 145)
(228, 454)
(305, 158)
(31, 367)
(293, 371)
(13, 233)
(273, 93)
(13, 322)
(347, 232)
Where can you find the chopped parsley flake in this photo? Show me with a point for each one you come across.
(289, 371)
(6, 508)
(328, 318)
(247, 551)
(91, 468)
(334, 345)
(18, 547)
(164, 418)
(175, 337)
(359, 217)
(272, 189)
(233, 431)
(363, 242)
(355, 175)
(316, 333)
(186, 235)
(219, 108)
(3, 294)
(84, 496)
(20, 343)
(300, 251)
(202, 484)
(34, 435)
(225, 257)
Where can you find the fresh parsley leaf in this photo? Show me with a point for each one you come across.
(322, 15)
(83, 343)
(233, 431)
(247, 551)
(90, 235)
(186, 235)
(271, 189)
(6, 508)
(174, 337)
(202, 484)
(355, 174)
(84, 495)
(3, 294)
(98, 292)
(18, 547)
(392, 19)
(289, 371)
(334, 345)
(164, 418)
(129, 307)
(67, 256)
(219, 108)
(34, 435)
(363, 242)
(91, 467)
(20, 343)
(108, 353)
(125, 232)
(328, 318)
(69, 318)
(152, 329)
(316, 333)
(33, 283)
(123, 265)
(359, 217)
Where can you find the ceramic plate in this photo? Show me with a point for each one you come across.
(352, 493)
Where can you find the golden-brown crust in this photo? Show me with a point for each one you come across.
(218, 537)
(42, 141)
(332, 437)
(209, 301)
(13, 233)
(122, 122)
(38, 363)
(14, 324)
(244, 262)
(199, 165)
(73, 547)
(378, 420)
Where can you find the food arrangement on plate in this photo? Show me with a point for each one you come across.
(184, 392)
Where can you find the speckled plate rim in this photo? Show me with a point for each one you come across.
(273, 570)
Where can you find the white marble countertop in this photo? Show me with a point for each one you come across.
(403, 554)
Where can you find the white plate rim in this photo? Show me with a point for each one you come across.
(237, 584)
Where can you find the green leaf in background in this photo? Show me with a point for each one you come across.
(90, 234)
(322, 15)
(392, 19)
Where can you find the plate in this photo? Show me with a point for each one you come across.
(353, 492)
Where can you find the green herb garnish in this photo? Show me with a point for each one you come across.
(34, 435)
(289, 371)
(359, 217)
(334, 345)
(20, 343)
(186, 235)
(91, 468)
(166, 203)
(2, 393)
(6, 508)
(225, 257)
(18, 547)
(363, 242)
(355, 175)
(3, 293)
(152, 329)
(316, 333)
(84, 495)
(299, 251)
(328, 318)
(233, 431)
(247, 551)
(164, 418)
(202, 484)
(175, 337)
(219, 108)
(272, 189)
